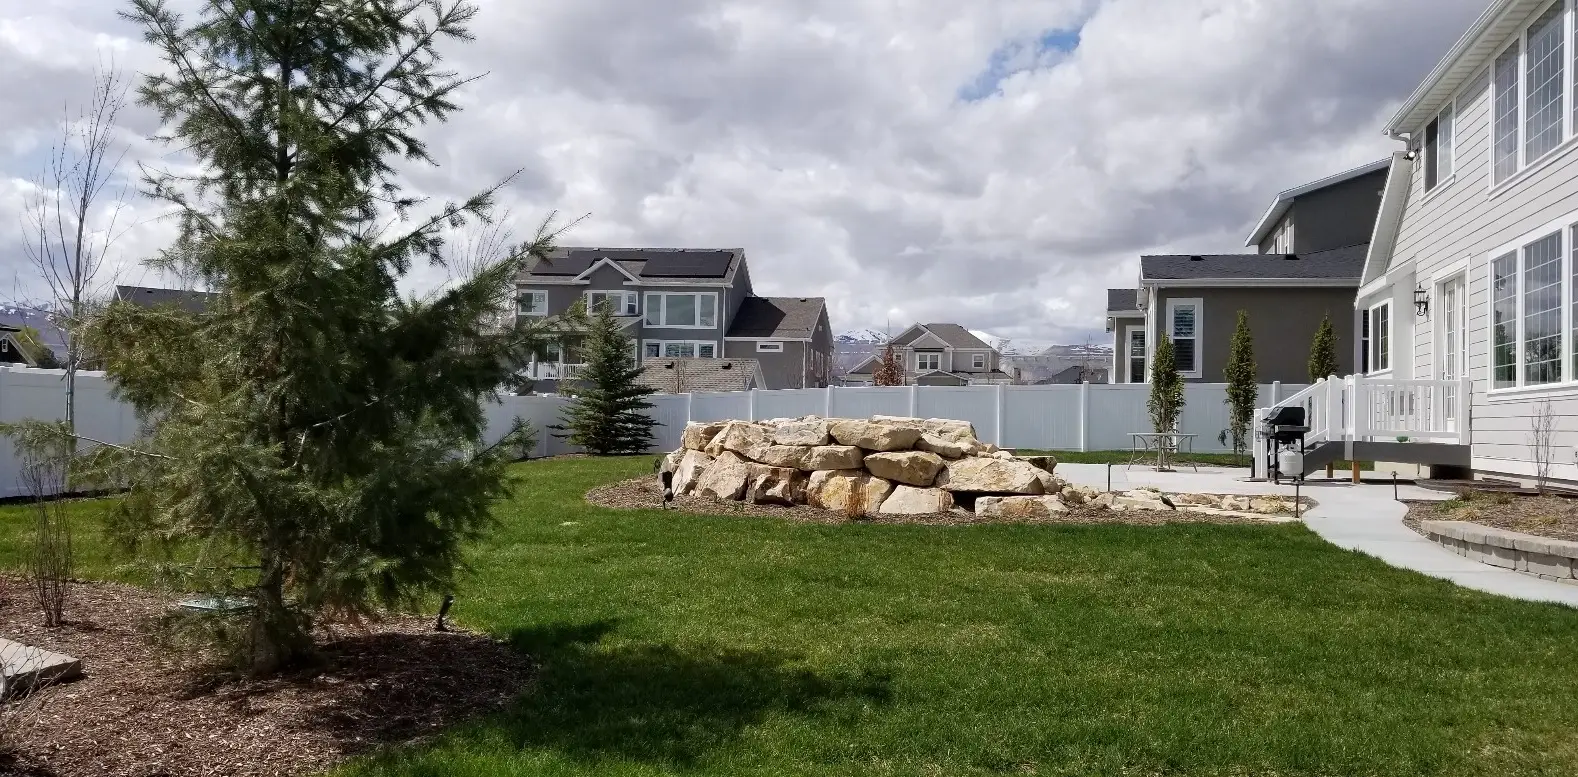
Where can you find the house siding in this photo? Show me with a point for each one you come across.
(786, 370)
(1337, 216)
(1284, 322)
(1119, 371)
(1458, 226)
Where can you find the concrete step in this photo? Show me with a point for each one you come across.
(23, 667)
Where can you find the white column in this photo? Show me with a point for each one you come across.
(1002, 397)
(1336, 428)
(1276, 392)
(827, 402)
(914, 411)
(1084, 416)
(752, 406)
(1465, 406)
(690, 414)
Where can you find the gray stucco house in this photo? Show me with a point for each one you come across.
(937, 355)
(678, 303)
(1310, 248)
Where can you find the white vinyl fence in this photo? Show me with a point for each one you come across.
(1079, 417)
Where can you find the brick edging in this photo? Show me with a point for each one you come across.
(1543, 557)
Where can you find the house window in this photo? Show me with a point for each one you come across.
(928, 361)
(1381, 336)
(1282, 238)
(532, 303)
(1542, 311)
(680, 349)
(1136, 354)
(1504, 321)
(1438, 150)
(1183, 327)
(687, 310)
(620, 303)
(769, 346)
(978, 361)
(1530, 95)
(1364, 343)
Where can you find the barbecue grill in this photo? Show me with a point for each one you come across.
(1284, 428)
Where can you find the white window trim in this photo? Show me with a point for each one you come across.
(1127, 355)
(1569, 132)
(1563, 226)
(663, 344)
(919, 354)
(978, 361)
(1196, 370)
(717, 312)
(630, 297)
(535, 294)
(1443, 183)
(769, 346)
(1375, 338)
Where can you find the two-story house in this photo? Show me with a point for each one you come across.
(937, 355)
(1473, 276)
(1310, 247)
(677, 303)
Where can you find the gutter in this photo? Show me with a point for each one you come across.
(1477, 30)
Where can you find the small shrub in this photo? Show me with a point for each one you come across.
(50, 559)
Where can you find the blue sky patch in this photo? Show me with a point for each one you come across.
(1019, 56)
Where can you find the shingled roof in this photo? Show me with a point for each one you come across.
(682, 376)
(710, 265)
(784, 317)
(956, 336)
(1341, 264)
(185, 299)
(1122, 300)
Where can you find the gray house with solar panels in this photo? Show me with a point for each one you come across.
(677, 303)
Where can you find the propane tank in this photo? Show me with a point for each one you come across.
(1290, 462)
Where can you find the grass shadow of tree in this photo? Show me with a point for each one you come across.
(661, 702)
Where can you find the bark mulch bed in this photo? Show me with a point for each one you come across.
(143, 711)
(1545, 516)
(644, 493)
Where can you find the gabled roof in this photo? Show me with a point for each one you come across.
(1284, 200)
(957, 336)
(185, 299)
(790, 318)
(1468, 56)
(682, 376)
(1123, 300)
(571, 264)
(1394, 198)
(1336, 267)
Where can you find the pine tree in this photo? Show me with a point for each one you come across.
(1242, 388)
(315, 438)
(1167, 394)
(890, 369)
(606, 416)
(1323, 352)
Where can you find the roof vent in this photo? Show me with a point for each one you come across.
(1196, 258)
(1290, 256)
(727, 366)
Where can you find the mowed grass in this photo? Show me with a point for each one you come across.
(691, 645)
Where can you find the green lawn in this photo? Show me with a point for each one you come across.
(679, 644)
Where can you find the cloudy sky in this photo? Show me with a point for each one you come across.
(998, 163)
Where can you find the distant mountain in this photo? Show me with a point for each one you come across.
(52, 337)
(861, 337)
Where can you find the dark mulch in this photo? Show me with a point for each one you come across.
(142, 711)
(643, 493)
(1555, 517)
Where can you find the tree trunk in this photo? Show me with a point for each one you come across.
(277, 635)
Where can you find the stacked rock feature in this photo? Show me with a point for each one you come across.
(881, 466)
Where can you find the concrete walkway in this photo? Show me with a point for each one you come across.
(1363, 518)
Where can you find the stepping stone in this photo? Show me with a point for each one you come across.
(23, 667)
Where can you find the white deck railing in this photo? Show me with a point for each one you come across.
(1360, 409)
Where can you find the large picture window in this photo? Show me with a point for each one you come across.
(928, 361)
(532, 303)
(1529, 94)
(620, 303)
(1532, 334)
(680, 349)
(682, 310)
(1183, 328)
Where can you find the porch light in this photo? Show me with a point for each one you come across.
(1421, 301)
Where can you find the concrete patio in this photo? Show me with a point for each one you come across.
(1363, 518)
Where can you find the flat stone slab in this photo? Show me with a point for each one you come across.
(24, 667)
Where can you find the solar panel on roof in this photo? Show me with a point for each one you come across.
(687, 264)
(574, 264)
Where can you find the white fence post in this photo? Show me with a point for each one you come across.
(1276, 391)
(914, 401)
(827, 402)
(750, 405)
(1084, 416)
(690, 407)
(1002, 401)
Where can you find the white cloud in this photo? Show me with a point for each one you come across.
(829, 137)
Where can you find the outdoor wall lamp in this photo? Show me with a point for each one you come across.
(1421, 301)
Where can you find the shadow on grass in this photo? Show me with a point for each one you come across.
(664, 703)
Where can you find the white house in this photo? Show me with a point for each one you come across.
(1469, 284)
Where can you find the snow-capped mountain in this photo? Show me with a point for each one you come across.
(861, 337)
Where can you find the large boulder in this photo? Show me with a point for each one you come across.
(1047, 463)
(726, 477)
(790, 456)
(801, 433)
(945, 428)
(992, 476)
(776, 486)
(746, 439)
(1140, 499)
(1019, 508)
(699, 434)
(852, 492)
(912, 468)
(689, 471)
(945, 447)
(875, 436)
(909, 500)
(831, 457)
(1050, 483)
